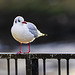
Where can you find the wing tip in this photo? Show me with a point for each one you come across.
(44, 34)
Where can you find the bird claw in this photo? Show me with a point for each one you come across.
(19, 52)
(22, 53)
(26, 52)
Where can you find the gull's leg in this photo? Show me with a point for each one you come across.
(29, 47)
(20, 49)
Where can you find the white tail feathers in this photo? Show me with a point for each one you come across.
(41, 34)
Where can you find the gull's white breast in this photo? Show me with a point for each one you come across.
(21, 33)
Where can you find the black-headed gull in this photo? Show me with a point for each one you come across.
(24, 32)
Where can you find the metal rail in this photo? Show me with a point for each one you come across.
(32, 61)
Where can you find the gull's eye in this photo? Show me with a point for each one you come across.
(19, 20)
(15, 21)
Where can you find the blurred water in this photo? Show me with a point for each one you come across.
(51, 64)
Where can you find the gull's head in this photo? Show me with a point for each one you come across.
(19, 20)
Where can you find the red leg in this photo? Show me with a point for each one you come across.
(20, 50)
(29, 47)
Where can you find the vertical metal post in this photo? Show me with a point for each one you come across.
(34, 66)
(16, 73)
(59, 67)
(28, 65)
(8, 66)
(44, 67)
(31, 66)
(67, 66)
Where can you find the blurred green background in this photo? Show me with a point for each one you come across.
(53, 17)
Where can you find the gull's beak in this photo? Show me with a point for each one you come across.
(24, 22)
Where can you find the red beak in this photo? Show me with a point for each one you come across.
(24, 22)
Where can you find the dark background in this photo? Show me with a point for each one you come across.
(53, 17)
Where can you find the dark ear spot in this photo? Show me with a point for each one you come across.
(19, 20)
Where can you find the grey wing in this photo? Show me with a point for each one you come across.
(32, 28)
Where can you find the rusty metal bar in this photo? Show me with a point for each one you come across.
(16, 71)
(8, 66)
(67, 66)
(44, 67)
(38, 56)
(59, 67)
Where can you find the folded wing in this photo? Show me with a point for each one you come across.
(32, 28)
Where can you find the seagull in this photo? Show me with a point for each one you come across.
(24, 32)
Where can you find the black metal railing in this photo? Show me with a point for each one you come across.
(32, 61)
